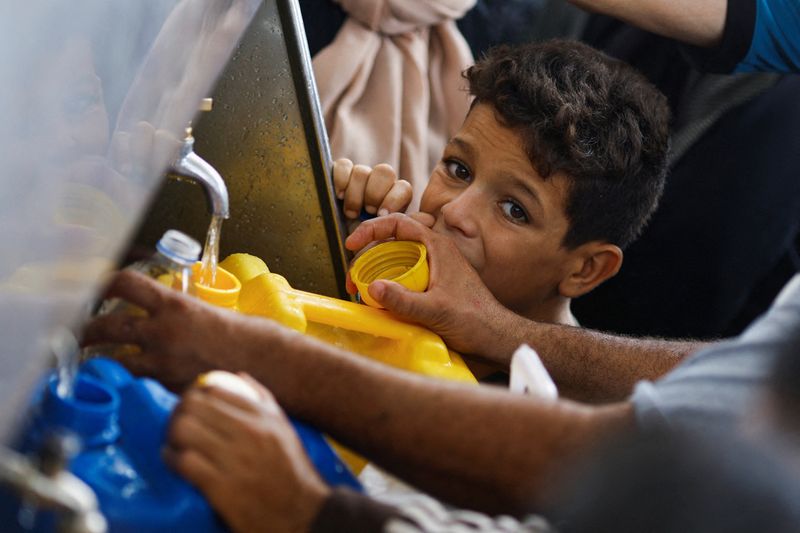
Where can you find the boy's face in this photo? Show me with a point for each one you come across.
(505, 219)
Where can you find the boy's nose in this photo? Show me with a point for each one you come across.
(461, 213)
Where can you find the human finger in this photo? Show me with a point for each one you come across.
(198, 469)
(396, 225)
(341, 176)
(397, 199)
(223, 411)
(354, 194)
(139, 289)
(400, 301)
(139, 363)
(426, 219)
(115, 328)
(187, 431)
(380, 182)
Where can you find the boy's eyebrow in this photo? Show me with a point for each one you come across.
(463, 145)
(523, 185)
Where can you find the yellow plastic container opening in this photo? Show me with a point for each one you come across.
(225, 291)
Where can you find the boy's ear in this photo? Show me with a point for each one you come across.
(594, 262)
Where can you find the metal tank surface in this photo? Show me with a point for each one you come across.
(95, 96)
(266, 138)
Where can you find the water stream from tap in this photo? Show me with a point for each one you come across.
(65, 348)
(208, 268)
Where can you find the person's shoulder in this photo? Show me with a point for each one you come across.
(740, 23)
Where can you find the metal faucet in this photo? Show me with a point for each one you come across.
(51, 487)
(192, 167)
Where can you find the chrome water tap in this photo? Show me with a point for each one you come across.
(192, 167)
(49, 486)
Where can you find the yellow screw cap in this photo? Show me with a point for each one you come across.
(404, 262)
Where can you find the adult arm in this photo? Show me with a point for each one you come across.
(744, 35)
(585, 364)
(697, 22)
(243, 455)
(480, 447)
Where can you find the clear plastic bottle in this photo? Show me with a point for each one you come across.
(171, 265)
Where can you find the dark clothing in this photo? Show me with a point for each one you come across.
(740, 20)
(723, 241)
(345, 510)
(759, 36)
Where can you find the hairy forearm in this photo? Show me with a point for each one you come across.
(500, 455)
(586, 365)
(479, 447)
(697, 22)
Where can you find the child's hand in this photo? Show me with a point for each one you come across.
(376, 190)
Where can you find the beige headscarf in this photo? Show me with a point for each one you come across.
(390, 83)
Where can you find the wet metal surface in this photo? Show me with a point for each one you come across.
(263, 138)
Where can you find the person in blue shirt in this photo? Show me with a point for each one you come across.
(725, 35)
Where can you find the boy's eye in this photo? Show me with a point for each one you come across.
(514, 211)
(458, 170)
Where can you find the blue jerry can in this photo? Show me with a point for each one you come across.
(121, 422)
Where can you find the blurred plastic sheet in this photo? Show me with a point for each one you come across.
(95, 96)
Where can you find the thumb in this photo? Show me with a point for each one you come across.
(401, 302)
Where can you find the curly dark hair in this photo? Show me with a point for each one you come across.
(589, 116)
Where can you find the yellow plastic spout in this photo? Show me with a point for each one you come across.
(371, 332)
(225, 291)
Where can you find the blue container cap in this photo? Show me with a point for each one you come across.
(107, 371)
(91, 412)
